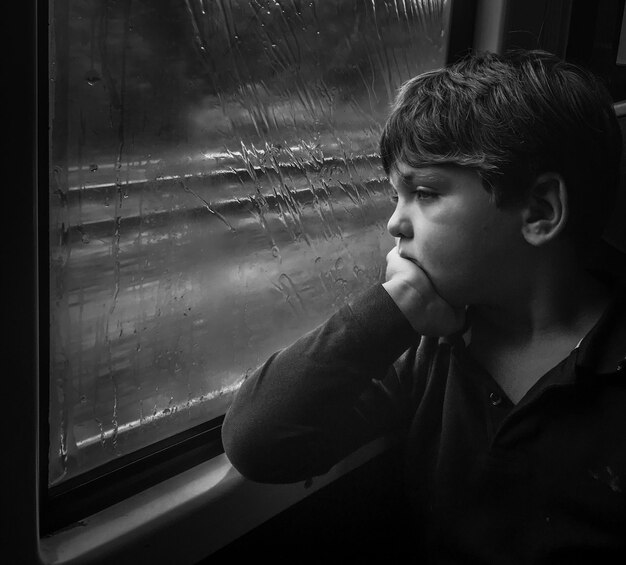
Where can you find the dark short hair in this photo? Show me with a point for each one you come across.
(512, 117)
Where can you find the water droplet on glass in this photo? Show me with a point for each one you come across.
(93, 167)
(92, 77)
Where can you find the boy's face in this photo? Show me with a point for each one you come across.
(446, 222)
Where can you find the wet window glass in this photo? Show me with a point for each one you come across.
(215, 191)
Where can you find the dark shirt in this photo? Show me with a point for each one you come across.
(542, 481)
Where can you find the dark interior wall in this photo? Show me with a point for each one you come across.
(583, 32)
(538, 24)
(595, 29)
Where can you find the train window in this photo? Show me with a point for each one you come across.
(215, 191)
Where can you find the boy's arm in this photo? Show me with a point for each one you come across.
(298, 414)
(317, 400)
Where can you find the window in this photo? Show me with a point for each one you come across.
(215, 191)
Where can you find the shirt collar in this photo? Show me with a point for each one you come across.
(603, 349)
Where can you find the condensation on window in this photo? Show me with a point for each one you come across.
(215, 192)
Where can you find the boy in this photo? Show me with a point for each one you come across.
(489, 350)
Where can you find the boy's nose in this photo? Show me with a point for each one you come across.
(399, 225)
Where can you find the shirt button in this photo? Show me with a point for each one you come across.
(495, 399)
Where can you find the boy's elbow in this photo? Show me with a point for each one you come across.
(239, 446)
(248, 452)
(263, 458)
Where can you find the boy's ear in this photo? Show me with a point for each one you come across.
(546, 211)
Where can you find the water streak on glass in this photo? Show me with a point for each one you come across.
(215, 192)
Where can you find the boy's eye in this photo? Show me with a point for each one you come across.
(418, 193)
(422, 194)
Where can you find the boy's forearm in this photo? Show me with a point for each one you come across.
(295, 417)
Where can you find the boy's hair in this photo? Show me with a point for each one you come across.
(512, 117)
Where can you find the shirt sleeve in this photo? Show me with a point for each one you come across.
(316, 401)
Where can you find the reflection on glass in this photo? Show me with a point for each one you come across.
(215, 191)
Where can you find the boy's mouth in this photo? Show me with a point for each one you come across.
(406, 256)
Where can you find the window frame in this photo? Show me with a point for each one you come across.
(93, 538)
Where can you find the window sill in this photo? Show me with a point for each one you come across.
(201, 510)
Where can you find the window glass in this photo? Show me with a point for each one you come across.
(215, 192)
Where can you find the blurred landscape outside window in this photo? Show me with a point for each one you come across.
(215, 191)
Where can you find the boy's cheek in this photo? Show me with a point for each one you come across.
(456, 280)
(454, 292)
(454, 263)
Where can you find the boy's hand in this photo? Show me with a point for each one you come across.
(411, 289)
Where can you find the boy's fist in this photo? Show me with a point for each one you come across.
(413, 292)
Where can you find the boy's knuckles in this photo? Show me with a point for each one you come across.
(426, 310)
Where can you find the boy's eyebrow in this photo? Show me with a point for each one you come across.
(425, 175)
